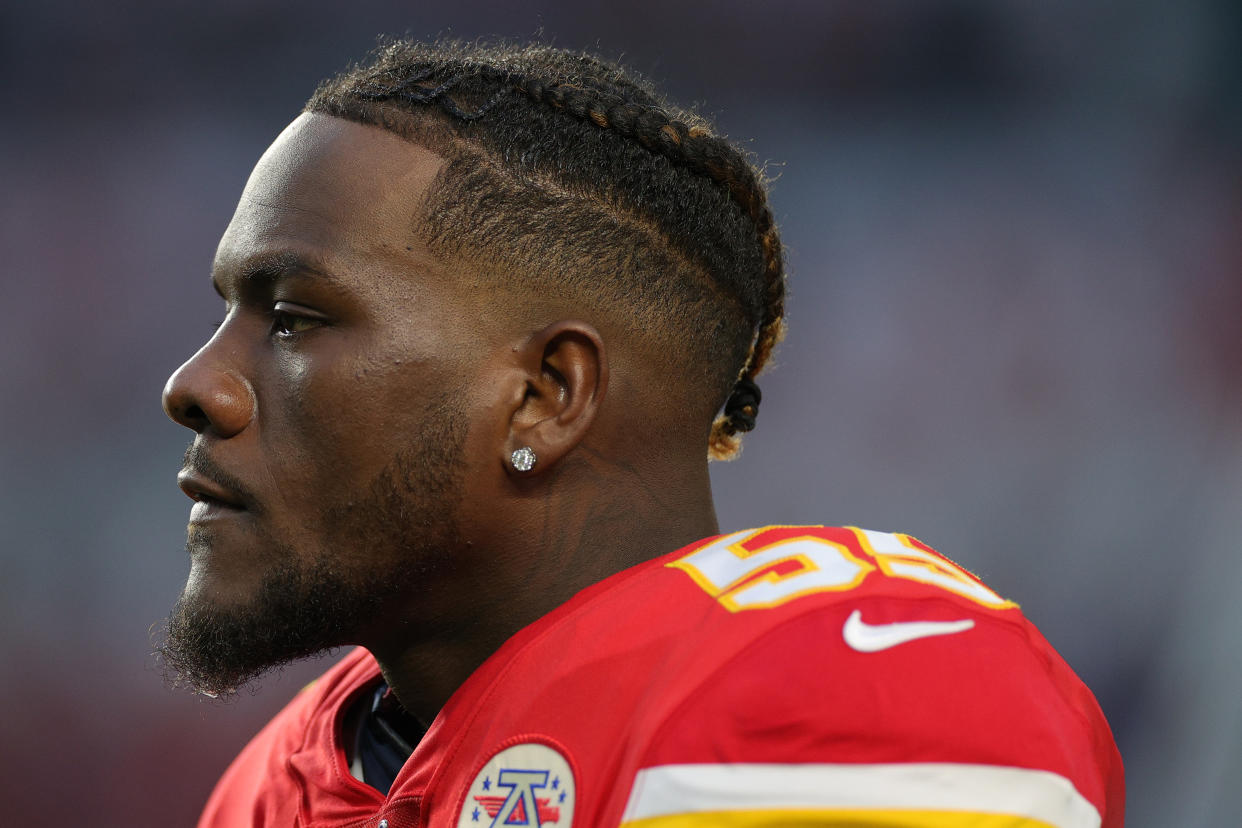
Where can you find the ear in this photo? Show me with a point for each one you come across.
(566, 378)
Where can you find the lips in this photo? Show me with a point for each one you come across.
(211, 493)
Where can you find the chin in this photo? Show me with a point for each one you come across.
(231, 573)
(228, 628)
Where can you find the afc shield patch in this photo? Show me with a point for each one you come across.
(527, 784)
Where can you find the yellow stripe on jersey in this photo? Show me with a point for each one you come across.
(836, 818)
(931, 794)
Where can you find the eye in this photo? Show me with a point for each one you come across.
(288, 321)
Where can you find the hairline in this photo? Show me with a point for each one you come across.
(433, 132)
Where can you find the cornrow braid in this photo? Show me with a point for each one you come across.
(717, 159)
(479, 88)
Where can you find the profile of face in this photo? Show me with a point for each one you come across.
(331, 410)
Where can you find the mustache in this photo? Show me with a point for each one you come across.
(198, 461)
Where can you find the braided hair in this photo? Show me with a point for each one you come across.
(571, 170)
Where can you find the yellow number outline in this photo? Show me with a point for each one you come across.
(726, 593)
(938, 571)
(903, 557)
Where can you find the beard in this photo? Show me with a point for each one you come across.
(305, 606)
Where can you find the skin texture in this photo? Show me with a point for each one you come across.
(354, 415)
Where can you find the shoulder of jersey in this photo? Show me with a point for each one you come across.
(804, 567)
(881, 655)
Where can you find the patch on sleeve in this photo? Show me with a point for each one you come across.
(526, 784)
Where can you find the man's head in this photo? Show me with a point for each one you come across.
(449, 256)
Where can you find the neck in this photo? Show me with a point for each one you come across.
(594, 517)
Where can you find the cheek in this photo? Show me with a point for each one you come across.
(294, 369)
(345, 420)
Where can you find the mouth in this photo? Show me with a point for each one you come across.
(211, 498)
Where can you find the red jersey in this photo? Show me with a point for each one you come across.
(791, 675)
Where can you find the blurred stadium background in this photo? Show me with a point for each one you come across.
(1017, 291)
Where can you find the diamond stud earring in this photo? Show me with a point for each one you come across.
(523, 459)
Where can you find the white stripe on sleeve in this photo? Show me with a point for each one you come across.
(665, 790)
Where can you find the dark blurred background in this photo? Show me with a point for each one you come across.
(1013, 234)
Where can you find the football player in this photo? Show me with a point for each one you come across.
(488, 312)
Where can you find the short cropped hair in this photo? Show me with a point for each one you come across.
(576, 178)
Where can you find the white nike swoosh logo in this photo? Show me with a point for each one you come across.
(871, 638)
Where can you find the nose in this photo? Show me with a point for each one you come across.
(209, 397)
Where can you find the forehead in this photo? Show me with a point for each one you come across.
(332, 191)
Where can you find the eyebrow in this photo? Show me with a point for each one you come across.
(266, 270)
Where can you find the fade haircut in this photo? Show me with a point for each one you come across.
(575, 178)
